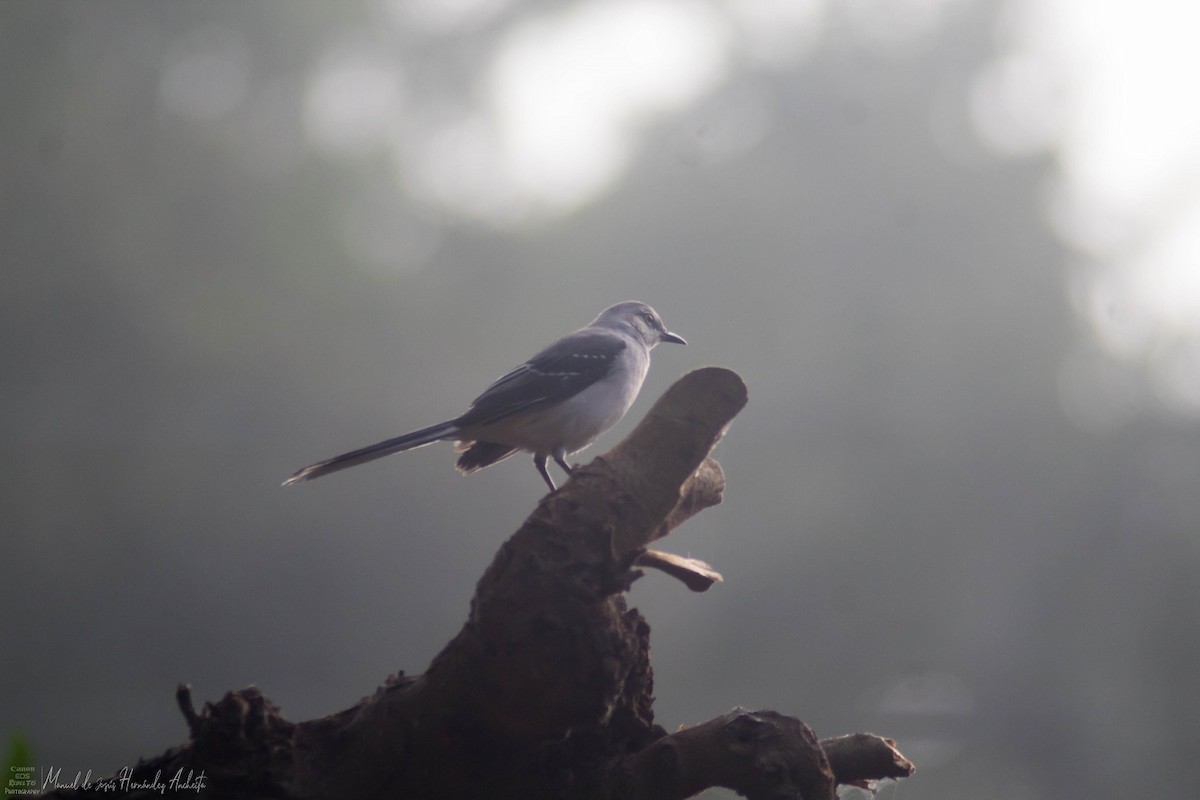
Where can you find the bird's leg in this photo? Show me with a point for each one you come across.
(539, 461)
(560, 458)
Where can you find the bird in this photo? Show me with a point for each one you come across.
(555, 404)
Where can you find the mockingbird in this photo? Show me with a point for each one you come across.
(553, 405)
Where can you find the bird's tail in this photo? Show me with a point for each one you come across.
(409, 441)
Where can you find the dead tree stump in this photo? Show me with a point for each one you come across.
(547, 691)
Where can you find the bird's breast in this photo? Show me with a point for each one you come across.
(578, 421)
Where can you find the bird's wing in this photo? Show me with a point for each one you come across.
(562, 370)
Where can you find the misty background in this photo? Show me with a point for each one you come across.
(952, 246)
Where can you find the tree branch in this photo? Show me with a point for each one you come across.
(859, 758)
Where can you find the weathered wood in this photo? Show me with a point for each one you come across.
(547, 690)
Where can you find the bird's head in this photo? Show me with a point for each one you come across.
(639, 319)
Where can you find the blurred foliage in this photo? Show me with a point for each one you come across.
(18, 757)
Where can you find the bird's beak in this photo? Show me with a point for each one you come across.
(667, 336)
